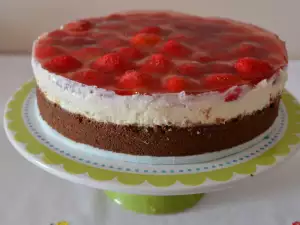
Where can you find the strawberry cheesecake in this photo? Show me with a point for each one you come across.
(159, 83)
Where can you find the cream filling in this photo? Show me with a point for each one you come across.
(159, 109)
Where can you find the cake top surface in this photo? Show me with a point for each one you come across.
(160, 52)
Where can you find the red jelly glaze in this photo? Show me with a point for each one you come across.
(157, 52)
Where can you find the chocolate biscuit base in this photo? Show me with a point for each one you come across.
(158, 140)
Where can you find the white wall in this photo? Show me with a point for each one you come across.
(22, 20)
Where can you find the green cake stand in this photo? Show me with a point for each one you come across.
(156, 187)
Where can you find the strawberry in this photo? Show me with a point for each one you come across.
(91, 78)
(253, 65)
(176, 49)
(233, 95)
(133, 80)
(189, 69)
(175, 84)
(87, 53)
(296, 223)
(221, 81)
(81, 25)
(157, 63)
(253, 69)
(44, 51)
(111, 62)
(145, 40)
(151, 30)
(130, 53)
(62, 64)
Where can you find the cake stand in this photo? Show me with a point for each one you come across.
(166, 185)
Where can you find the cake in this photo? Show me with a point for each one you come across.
(159, 83)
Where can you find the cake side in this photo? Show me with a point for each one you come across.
(161, 140)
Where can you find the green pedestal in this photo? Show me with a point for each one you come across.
(147, 204)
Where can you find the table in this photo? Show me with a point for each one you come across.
(30, 196)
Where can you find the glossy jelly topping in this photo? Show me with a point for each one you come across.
(161, 53)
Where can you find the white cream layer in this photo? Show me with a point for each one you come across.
(160, 109)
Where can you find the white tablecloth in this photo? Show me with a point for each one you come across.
(30, 196)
